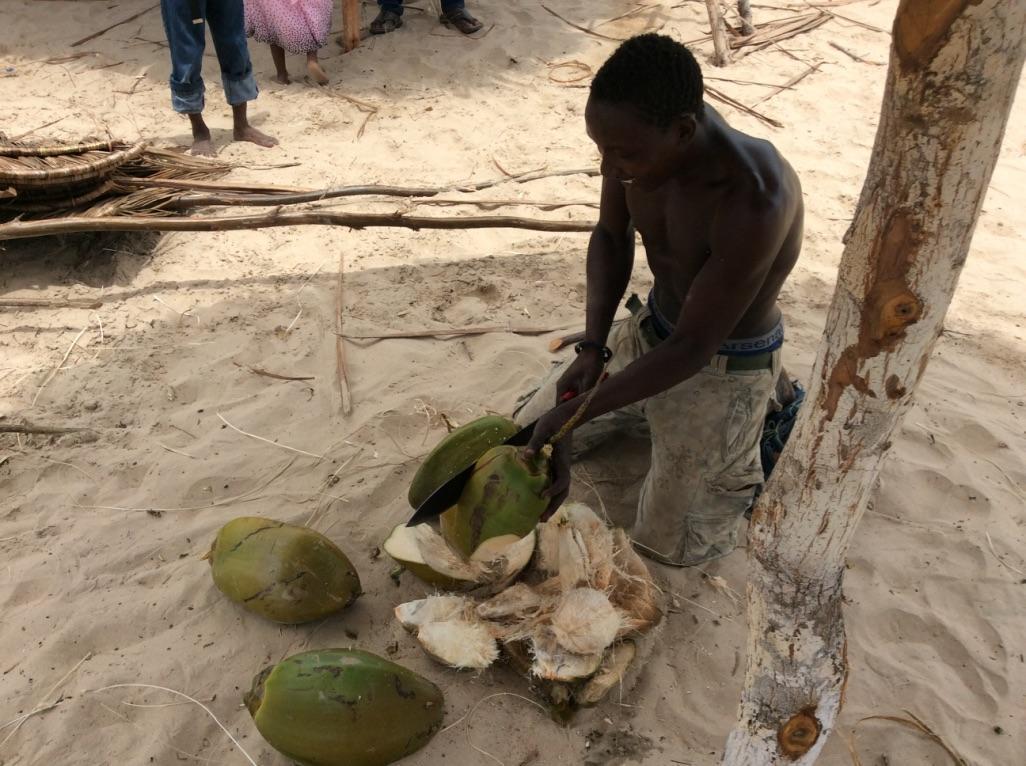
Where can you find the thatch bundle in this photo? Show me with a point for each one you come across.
(93, 179)
(111, 185)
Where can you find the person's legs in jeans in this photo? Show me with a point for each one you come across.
(228, 30)
(186, 42)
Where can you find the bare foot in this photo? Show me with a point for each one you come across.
(201, 143)
(203, 147)
(254, 136)
(281, 72)
(317, 74)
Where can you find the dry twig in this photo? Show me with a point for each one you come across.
(105, 30)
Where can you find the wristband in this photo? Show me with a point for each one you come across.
(607, 354)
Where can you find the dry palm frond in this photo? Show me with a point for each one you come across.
(94, 179)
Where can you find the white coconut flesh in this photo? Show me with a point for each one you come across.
(460, 644)
(554, 663)
(585, 622)
(415, 614)
(611, 674)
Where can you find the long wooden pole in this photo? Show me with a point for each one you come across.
(24, 229)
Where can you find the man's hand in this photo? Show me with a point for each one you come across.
(580, 376)
(547, 426)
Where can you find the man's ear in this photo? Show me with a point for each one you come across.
(686, 127)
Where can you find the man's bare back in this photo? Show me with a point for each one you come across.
(721, 216)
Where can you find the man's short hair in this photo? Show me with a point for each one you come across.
(656, 75)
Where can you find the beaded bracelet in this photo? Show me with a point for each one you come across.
(607, 354)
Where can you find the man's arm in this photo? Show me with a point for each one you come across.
(744, 244)
(610, 261)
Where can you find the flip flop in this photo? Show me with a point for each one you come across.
(461, 20)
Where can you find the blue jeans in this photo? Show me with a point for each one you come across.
(396, 6)
(187, 42)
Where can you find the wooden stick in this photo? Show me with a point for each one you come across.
(853, 56)
(296, 196)
(350, 24)
(24, 229)
(711, 92)
(557, 343)
(744, 10)
(719, 34)
(60, 364)
(220, 186)
(342, 368)
(449, 332)
(24, 427)
(104, 31)
(43, 303)
(790, 83)
(276, 376)
(582, 29)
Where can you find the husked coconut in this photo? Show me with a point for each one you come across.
(555, 663)
(404, 546)
(415, 614)
(598, 542)
(612, 672)
(573, 559)
(459, 643)
(585, 622)
(512, 559)
(518, 600)
(633, 590)
(548, 543)
(437, 555)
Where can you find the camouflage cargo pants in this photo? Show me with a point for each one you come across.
(705, 435)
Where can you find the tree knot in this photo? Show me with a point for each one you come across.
(799, 733)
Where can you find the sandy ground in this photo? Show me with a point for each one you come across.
(101, 580)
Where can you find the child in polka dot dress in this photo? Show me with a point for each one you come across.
(296, 26)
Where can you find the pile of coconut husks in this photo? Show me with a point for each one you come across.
(571, 605)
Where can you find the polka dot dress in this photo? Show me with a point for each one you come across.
(298, 26)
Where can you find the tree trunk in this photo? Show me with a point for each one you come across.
(721, 56)
(744, 10)
(953, 73)
(350, 24)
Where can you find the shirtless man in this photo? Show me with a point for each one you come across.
(720, 215)
(185, 24)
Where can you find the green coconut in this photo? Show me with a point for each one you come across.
(461, 448)
(285, 573)
(502, 497)
(344, 707)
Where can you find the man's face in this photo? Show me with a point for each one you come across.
(634, 151)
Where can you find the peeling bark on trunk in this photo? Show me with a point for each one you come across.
(953, 73)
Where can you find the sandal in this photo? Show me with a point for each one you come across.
(461, 20)
(386, 21)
